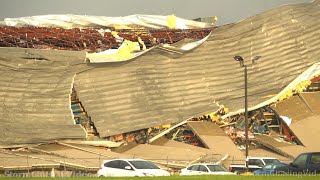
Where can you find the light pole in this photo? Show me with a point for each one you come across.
(242, 64)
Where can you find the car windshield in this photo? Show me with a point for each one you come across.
(269, 161)
(268, 167)
(143, 164)
(214, 168)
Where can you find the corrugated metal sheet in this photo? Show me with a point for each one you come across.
(162, 153)
(34, 93)
(214, 138)
(9, 159)
(161, 87)
(312, 100)
(305, 124)
(294, 108)
(172, 143)
(267, 153)
(273, 144)
(57, 154)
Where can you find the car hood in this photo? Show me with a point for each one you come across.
(155, 172)
(262, 171)
(284, 168)
(185, 171)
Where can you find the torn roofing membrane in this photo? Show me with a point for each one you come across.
(162, 86)
(126, 22)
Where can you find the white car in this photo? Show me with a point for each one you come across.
(205, 169)
(129, 167)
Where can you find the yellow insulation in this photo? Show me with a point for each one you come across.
(298, 88)
(172, 22)
(124, 52)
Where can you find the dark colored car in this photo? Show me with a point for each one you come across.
(306, 163)
(268, 169)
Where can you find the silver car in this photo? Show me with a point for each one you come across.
(205, 169)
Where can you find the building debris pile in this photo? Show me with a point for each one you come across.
(81, 116)
(182, 133)
(185, 134)
(262, 122)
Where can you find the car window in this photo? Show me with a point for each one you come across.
(195, 168)
(315, 158)
(269, 161)
(123, 164)
(256, 162)
(215, 168)
(190, 167)
(143, 164)
(112, 164)
(203, 168)
(301, 160)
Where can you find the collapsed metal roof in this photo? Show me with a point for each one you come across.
(162, 87)
(159, 86)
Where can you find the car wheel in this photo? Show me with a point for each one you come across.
(238, 172)
(101, 176)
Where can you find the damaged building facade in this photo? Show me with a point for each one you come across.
(162, 88)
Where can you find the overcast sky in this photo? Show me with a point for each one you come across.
(228, 11)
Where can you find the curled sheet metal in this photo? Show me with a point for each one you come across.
(307, 75)
(126, 53)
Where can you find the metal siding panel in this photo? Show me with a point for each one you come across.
(35, 96)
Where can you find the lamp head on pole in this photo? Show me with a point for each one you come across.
(256, 58)
(240, 59)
